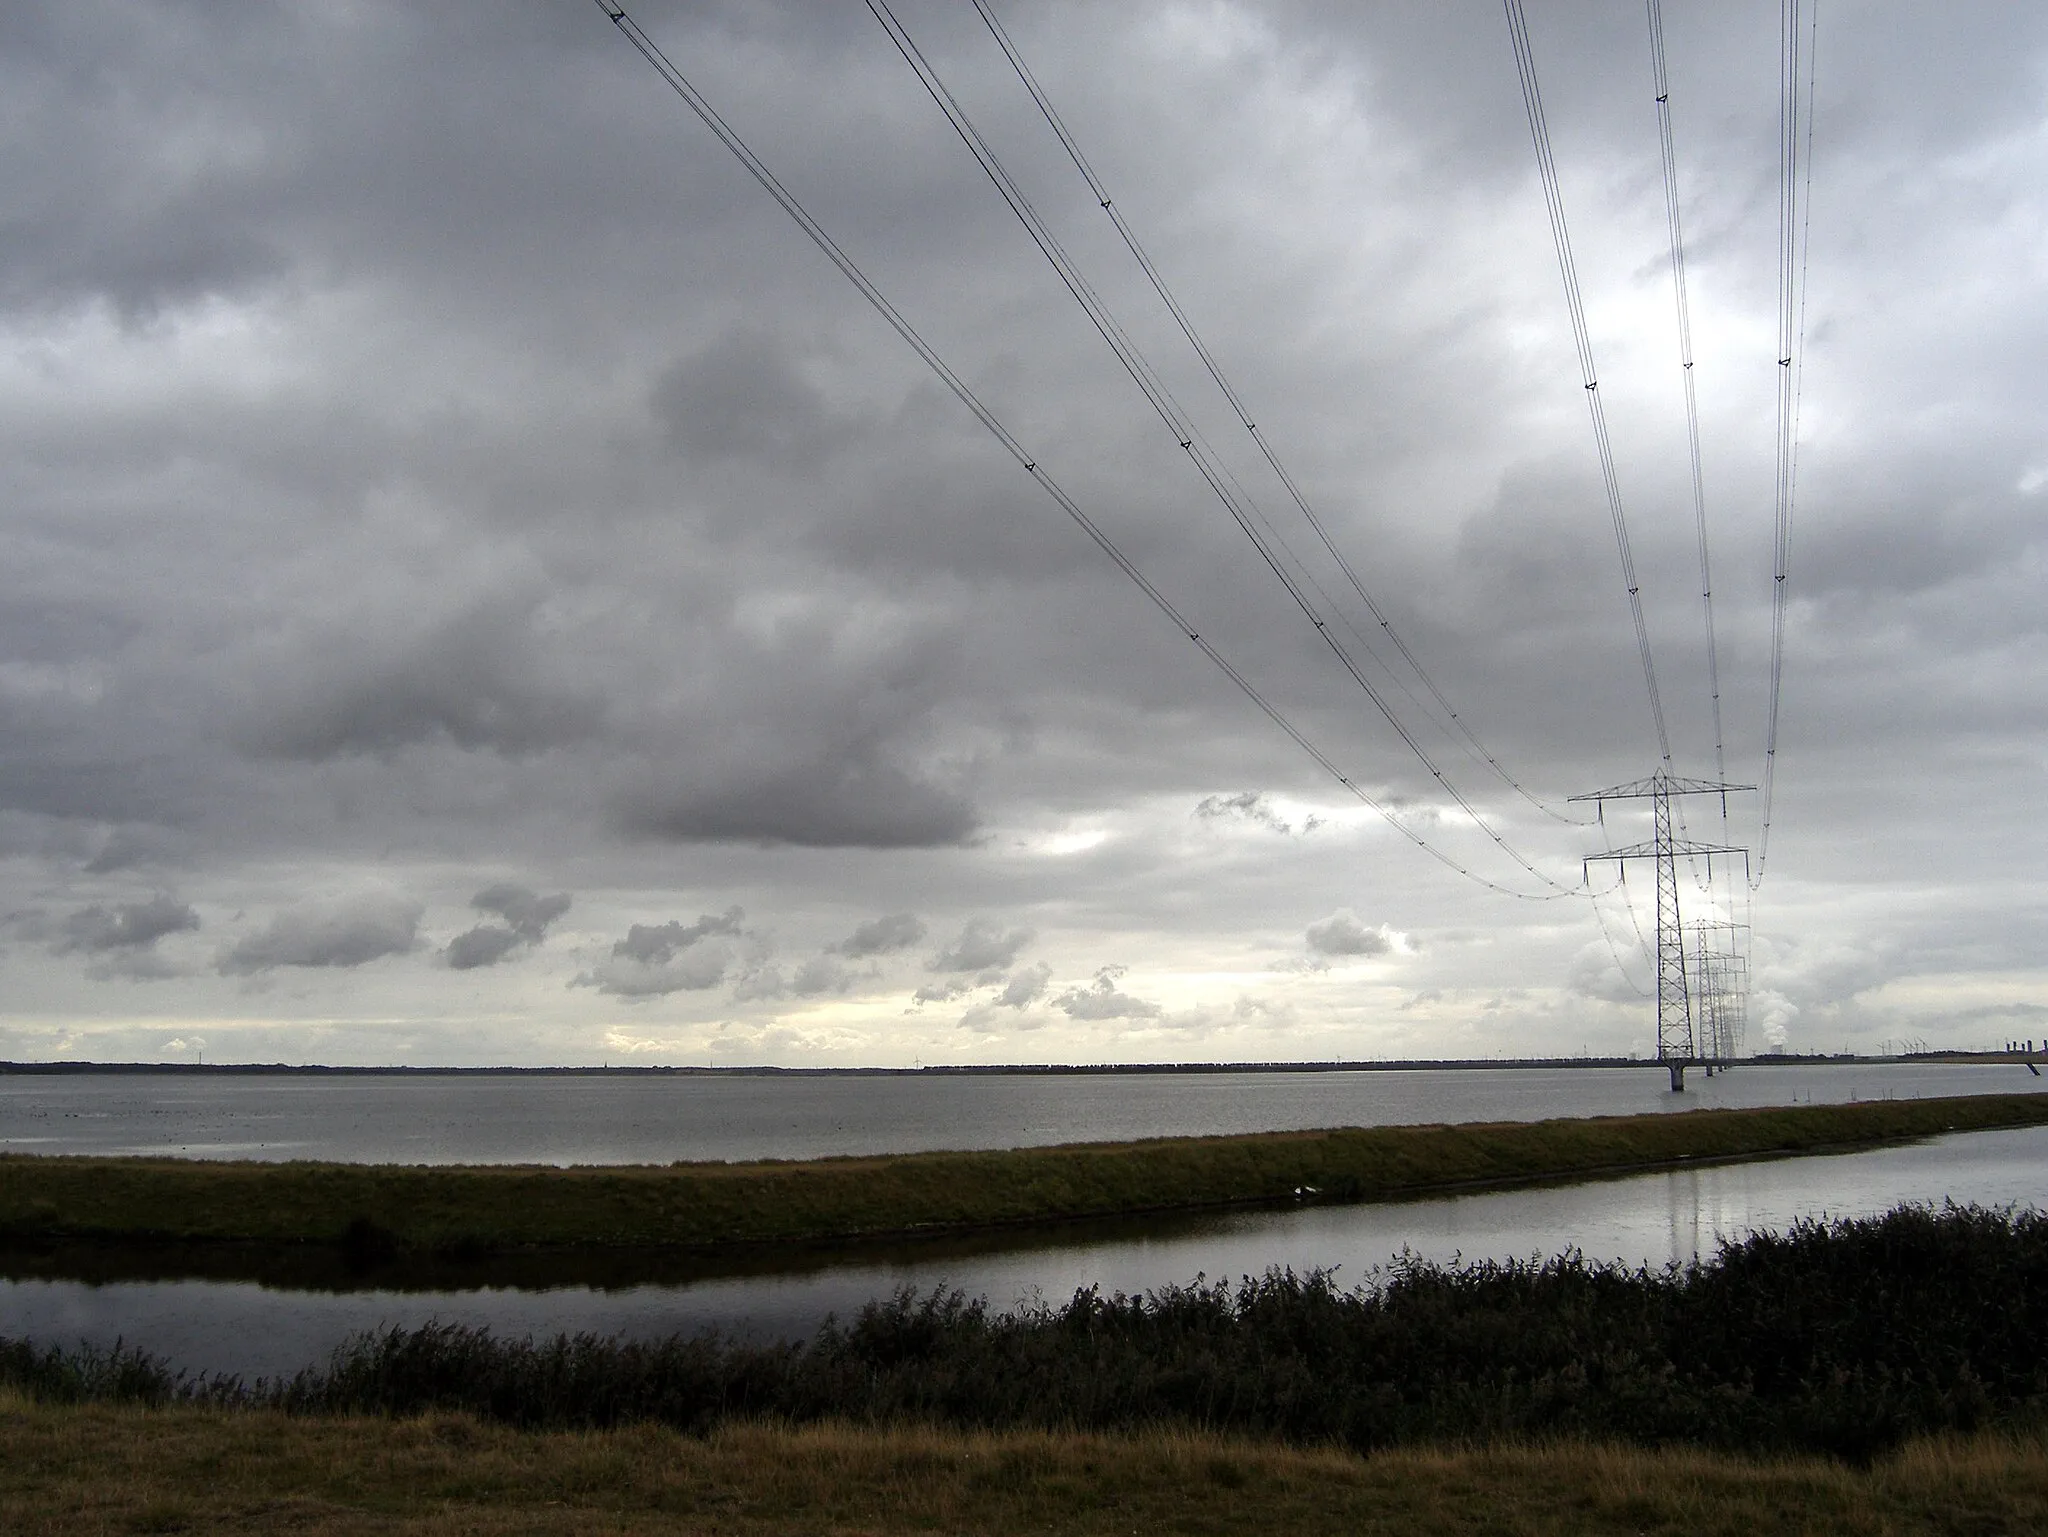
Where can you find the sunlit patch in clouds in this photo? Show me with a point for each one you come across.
(388, 473)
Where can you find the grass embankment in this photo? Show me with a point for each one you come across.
(708, 1206)
(107, 1469)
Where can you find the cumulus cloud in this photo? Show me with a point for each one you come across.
(1343, 935)
(1026, 986)
(655, 959)
(982, 945)
(1103, 999)
(343, 933)
(120, 940)
(526, 914)
(944, 990)
(125, 926)
(881, 936)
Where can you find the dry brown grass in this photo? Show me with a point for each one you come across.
(117, 1470)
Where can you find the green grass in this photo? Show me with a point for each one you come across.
(712, 1207)
(105, 1469)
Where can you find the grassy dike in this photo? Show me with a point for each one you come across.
(107, 1469)
(710, 1207)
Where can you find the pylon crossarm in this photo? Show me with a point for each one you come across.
(1661, 784)
(1683, 847)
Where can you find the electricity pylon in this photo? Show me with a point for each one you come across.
(1723, 991)
(1677, 1041)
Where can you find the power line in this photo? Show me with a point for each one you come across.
(1172, 415)
(1043, 101)
(1685, 359)
(897, 322)
(1553, 200)
(1795, 205)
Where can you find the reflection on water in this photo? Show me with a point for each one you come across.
(1651, 1219)
(441, 1118)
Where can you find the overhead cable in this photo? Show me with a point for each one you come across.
(1553, 200)
(1676, 228)
(897, 322)
(1176, 419)
(1471, 742)
(1795, 203)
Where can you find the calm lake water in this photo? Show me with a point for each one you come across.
(1643, 1220)
(641, 1119)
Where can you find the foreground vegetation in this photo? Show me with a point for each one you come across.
(112, 1469)
(376, 1211)
(1845, 1339)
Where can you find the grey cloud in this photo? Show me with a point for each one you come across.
(130, 846)
(741, 397)
(1103, 999)
(394, 478)
(484, 945)
(125, 926)
(527, 915)
(475, 681)
(1343, 933)
(1026, 986)
(654, 960)
(944, 991)
(344, 933)
(822, 974)
(982, 944)
(651, 944)
(1248, 805)
(857, 801)
(526, 911)
(881, 936)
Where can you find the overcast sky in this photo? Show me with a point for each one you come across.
(477, 585)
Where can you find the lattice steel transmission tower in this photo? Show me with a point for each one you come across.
(1722, 971)
(1678, 1040)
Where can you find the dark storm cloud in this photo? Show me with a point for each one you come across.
(981, 945)
(883, 935)
(342, 933)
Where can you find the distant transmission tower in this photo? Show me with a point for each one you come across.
(1679, 1038)
(1722, 971)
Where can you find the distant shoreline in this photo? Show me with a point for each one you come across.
(1016, 1069)
(380, 1213)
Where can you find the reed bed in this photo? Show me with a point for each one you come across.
(1846, 1339)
